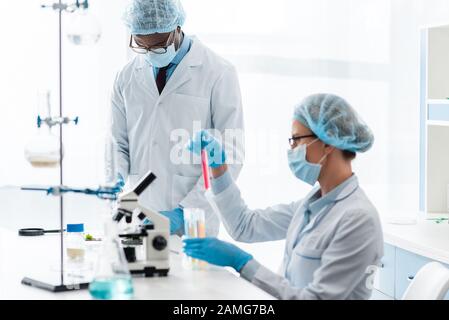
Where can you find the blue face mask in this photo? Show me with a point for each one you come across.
(301, 168)
(160, 60)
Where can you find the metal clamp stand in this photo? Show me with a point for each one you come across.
(61, 284)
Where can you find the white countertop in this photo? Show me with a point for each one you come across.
(20, 256)
(425, 238)
(25, 256)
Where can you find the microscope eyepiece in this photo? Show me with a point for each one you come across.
(144, 183)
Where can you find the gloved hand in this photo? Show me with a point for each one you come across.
(204, 140)
(217, 252)
(176, 217)
(119, 184)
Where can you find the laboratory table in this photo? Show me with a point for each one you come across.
(31, 256)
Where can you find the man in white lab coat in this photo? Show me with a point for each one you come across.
(174, 86)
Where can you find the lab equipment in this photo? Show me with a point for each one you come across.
(111, 176)
(194, 227)
(75, 246)
(208, 193)
(153, 16)
(334, 122)
(43, 149)
(204, 141)
(194, 218)
(153, 238)
(300, 167)
(32, 232)
(205, 169)
(112, 279)
(53, 121)
(83, 28)
(61, 282)
(102, 192)
(217, 252)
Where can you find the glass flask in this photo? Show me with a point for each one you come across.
(43, 149)
(83, 28)
(112, 279)
(110, 164)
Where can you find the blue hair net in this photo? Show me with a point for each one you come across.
(334, 122)
(154, 16)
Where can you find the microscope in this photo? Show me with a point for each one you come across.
(145, 245)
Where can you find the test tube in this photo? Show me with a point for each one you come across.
(205, 168)
(194, 227)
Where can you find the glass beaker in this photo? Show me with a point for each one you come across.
(112, 280)
(194, 227)
(83, 28)
(43, 149)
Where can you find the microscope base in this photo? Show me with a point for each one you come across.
(150, 272)
(153, 268)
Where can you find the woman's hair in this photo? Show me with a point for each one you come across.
(348, 155)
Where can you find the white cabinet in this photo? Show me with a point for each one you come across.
(407, 265)
(397, 271)
(385, 276)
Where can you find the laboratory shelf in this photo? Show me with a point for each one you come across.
(434, 120)
(441, 123)
(438, 111)
(438, 101)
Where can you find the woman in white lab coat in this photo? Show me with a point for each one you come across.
(333, 235)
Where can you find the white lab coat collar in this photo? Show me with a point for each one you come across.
(323, 205)
(338, 193)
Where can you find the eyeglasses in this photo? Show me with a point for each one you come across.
(158, 49)
(293, 140)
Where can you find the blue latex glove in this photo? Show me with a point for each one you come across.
(204, 140)
(103, 192)
(119, 184)
(176, 217)
(216, 252)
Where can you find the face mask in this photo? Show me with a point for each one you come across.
(301, 168)
(163, 59)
